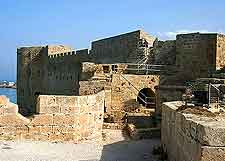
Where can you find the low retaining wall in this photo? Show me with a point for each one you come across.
(192, 137)
(60, 118)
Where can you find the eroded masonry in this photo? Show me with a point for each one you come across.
(68, 94)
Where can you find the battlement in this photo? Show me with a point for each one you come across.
(57, 49)
(61, 56)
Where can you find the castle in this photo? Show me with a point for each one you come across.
(60, 70)
(132, 81)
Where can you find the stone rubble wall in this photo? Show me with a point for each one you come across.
(124, 95)
(92, 86)
(190, 137)
(59, 118)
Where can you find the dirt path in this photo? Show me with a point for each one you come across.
(109, 150)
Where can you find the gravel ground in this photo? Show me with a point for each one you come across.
(114, 147)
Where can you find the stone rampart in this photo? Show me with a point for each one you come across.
(192, 137)
(59, 118)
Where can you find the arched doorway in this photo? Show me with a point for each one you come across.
(146, 97)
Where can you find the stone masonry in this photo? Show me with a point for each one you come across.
(122, 48)
(199, 54)
(190, 136)
(60, 70)
(59, 118)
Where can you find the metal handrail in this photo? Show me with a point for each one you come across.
(209, 90)
(138, 64)
(134, 69)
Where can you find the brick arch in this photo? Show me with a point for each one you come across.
(146, 97)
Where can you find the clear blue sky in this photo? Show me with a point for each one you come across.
(77, 22)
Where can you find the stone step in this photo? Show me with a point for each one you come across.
(143, 133)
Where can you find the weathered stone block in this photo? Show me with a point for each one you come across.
(34, 129)
(46, 129)
(49, 109)
(98, 117)
(84, 133)
(91, 100)
(212, 133)
(60, 100)
(70, 100)
(71, 129)
(63, 119)
(42, 119)
(22, 129)
(69, 109)
(40, 137)
(58, 129)
(13, 120)
(51, 100)
(9, 130)
(68, 137)
(84, 120)
(56, 137)
(83, 104)
(213, 153)
(10, 109)
(64, 129)
(42, 100)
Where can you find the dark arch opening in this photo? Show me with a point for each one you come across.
(146, 97)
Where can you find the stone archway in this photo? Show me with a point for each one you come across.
(146, 97)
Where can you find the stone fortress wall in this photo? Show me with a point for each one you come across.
(58, 118)
(199, 54)
(58, 69)
(41, 71)
(122, 48)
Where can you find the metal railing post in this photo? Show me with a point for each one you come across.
(209, 89)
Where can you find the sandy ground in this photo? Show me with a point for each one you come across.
(114, 147)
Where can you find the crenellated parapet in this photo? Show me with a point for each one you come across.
(61, 57)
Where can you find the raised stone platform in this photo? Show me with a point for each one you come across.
(193, 135)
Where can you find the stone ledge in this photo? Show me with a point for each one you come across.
(191, 136)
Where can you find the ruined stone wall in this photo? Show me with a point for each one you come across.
(220, 54)
(59, 118)
(92, 86)
(196, 54)
(124, 94)
(120, 49)
(191, 137)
